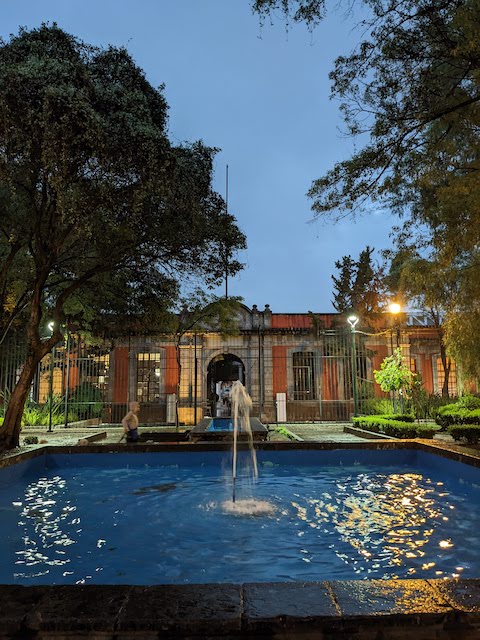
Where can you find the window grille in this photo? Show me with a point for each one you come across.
(304, 375)
(440, 377)
(148, 377)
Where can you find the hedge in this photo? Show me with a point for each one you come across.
(399, 417)
(395, 428)
(471, 432)
(452, 414)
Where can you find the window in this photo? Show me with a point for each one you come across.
(148, 377)
(413, 364)
(439, 378)
(304, 375)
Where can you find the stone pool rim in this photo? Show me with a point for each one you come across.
(327, 609)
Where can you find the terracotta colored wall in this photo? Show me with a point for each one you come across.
(330, 380)
(291, 321)
(427, 372)
(73, 373)
(279, 371)
(381, 353)
(120, 379)
(171, 375)
(297, 320)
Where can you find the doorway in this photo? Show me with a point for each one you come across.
(223, 370)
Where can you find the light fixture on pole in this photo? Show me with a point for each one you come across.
(51, 327)
(353, 321)
(395, 309)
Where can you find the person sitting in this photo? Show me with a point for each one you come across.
(130, 422)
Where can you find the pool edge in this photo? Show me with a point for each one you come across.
(331, 609)
(349, 609)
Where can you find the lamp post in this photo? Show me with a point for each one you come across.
(352, 321)
(51, 326)
(395, 309)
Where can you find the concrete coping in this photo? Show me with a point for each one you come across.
(340, 610)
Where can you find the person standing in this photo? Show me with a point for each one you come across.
(130, 422)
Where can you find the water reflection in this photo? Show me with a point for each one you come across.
(379, 522)
(49, 526)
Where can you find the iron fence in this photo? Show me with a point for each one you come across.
(183, 379)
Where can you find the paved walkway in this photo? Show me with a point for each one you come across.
(323, 432)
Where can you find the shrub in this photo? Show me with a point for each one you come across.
(468, 401)
(395, 428)
(285, 432)
(426, 430)
(452, 414)
(30, 440)
(32, 415)
(471, 432)
(376, 406)
(39, 415)
(86, 401)
(400, 417)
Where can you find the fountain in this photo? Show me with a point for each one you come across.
(241, 405)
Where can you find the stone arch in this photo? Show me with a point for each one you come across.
(223, 369)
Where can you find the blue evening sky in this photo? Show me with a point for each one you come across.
(260, 94)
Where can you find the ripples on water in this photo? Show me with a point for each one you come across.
(171, 525)
(381, 525)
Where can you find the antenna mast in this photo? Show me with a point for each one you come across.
(226, 243)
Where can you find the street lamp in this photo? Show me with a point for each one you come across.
(352, 321)
(51, 326)
(395, 309)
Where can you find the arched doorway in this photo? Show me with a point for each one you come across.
(223, 370)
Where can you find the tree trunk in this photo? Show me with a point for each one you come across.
(447, 365)
(12, 424)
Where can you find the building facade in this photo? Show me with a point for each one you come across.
(295, 366)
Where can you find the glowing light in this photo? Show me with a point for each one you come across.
(352, 321)
(394, 308)
(445, 544)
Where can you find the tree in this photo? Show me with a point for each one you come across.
(359, 287)
(309, 11)
(343, 285)
(394, 375)
(95, 195)
(413, 72)
(427, 285)
(410, 91)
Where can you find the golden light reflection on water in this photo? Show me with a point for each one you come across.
(383, 522)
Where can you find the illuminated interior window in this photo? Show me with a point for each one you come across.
(148, 377)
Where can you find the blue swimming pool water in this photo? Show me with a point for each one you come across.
(158, 518)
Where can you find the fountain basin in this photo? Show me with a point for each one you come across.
(159, 518)
(221, 430)
(391, 609)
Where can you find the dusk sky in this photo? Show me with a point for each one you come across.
(261, 95)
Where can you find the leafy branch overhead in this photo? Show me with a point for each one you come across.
(409, 94)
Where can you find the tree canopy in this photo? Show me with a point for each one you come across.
(99, 210)
(410, 93)
(359, 287)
